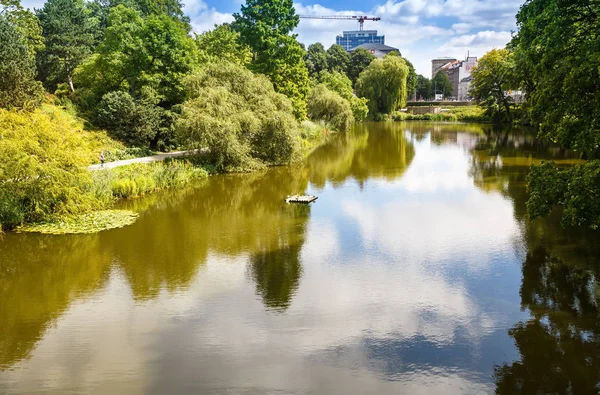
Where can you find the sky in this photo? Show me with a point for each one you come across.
(421, 29)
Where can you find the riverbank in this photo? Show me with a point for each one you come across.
(49, 171)
(448, 114)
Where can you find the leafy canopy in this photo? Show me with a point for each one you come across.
(265, 26)
(223, 43)
(423, 88)
(440, 83)
(338, 59)
(342, 85)
(556, 52)
(359, 60)
(26, 23)
(316, 58)
(18, 87)
(328, 106)
(154, 52)
(493, 77)
(383, 83)
(69, 36)
(240, 118)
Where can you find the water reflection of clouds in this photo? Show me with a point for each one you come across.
(379, 286)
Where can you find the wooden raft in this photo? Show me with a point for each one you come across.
(301, 199)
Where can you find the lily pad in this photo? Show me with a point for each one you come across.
(94, 222)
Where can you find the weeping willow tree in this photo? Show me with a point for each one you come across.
(383, 83)
(239, 117)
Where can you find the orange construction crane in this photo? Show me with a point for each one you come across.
(360, 19)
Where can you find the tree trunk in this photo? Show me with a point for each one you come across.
(70, 79)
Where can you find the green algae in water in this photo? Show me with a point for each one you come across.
(94, 222)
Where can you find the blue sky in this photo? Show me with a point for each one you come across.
(421, 29)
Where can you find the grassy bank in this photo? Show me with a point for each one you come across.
(454, 114)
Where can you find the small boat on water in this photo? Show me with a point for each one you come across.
(300, 199)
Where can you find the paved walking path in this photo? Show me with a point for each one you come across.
(146, 159)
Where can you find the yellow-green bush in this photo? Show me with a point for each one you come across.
(44, 157)
(328, 106)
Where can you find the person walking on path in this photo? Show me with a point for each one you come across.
(101, 159)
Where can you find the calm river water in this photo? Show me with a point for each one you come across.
(415, 272)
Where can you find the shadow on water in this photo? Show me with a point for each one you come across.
(559, 344)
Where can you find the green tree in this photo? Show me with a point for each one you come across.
(383, 83)
(328, 106)
(240, 118)
(223, 43)
(25, 21)
(423, 88)
(493, 77)
(338, 59)
(17, 69)
(155, 52)
(411, 80)
(440, 83)
(556, 54)
(316, 58)
(134, 122)
(266, 26)
(360, 59)
(342, 85)
(68, 33)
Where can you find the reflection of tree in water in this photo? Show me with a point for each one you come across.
(501, 159)
(560, 344)
(277, 274)
(40, 276)
(231, 215)
(372, 150)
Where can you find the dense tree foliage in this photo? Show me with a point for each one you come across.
(556, 53)
(411, 79)
(134, 122)
(42, 167)
(342, 85)
(383, 83)
(316, 58)
(223, 43)
(493, 77)
(69, 37)
(26, 23)
(423, 88)
(266, 26)
(240, 118)
(338, 59)
(137, 52)
(328, 106)
(440, 84)
(17, 69)
(360, 59)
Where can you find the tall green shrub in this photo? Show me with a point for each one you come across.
(133, 122)
(328, 106)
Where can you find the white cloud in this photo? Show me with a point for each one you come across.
(477, 44)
